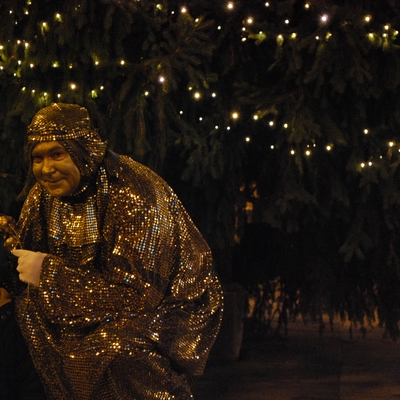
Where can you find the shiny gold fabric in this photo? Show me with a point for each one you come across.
(128, 304)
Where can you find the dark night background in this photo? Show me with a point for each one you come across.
(277, 123)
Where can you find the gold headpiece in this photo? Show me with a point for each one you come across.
(59, 122)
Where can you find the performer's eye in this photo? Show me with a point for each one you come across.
(58, 154)
(36, 159)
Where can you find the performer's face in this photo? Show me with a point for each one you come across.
(54, 169)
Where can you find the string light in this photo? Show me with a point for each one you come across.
(387, 33)
(324, 18)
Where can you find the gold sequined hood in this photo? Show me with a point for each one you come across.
(70, 125)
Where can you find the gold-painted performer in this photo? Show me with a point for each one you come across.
(119, 300)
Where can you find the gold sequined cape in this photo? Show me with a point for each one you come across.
(128, 304)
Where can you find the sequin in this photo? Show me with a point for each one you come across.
(128, 304)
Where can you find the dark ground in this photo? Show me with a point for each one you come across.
(307, 366)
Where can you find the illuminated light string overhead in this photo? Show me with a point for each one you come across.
(380, 37)
(45, 27)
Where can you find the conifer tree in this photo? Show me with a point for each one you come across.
(319, 94)
(275, 121)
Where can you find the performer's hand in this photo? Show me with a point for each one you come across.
(29, 265)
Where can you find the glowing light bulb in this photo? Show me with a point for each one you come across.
(324, 18)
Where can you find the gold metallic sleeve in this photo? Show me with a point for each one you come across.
(128, 302)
